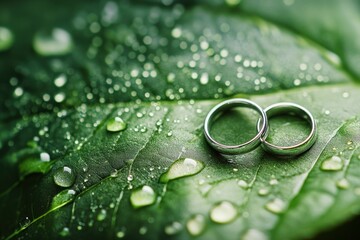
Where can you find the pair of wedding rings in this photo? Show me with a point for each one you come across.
(262, 128)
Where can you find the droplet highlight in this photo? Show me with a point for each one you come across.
(142, 197)
(276, 206)
(181, 168)
(223, 212)
(116, 124)
(196, 224)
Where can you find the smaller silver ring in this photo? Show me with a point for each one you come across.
(240, 148)
(290, 109)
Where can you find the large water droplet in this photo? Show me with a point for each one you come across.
(115, 124)
(143, 196)
(181, 168)
(276, 206)
(56, 42)
(6, 39)
(223, 212)
(64, 177)
(334, 163)
(62, 198)
(196, 224)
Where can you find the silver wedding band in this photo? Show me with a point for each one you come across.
(296, 110)
(262, 128)
(240, 148)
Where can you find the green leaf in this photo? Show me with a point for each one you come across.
(116, 94)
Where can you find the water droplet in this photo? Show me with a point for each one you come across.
(114, 173)
(130, 178)
(334, 163)
(204, 79)
(115, 124)
(196, 224)
(173, 228)
(181, 168)
(334, 58)
(59, 97)
(169, 134)
(6, 39)
(204, 45)
(276, 206)
(243, 184)
(45, 157)
(297, 82)
(223, 212)
(18, 92)
(60, 80)
(263, 191)
(176, 32)
(102, 215)
(56, 42)
(253, 234)
(26, 222)
(273, 181)
(64, 177)
(345, 95)
(62, 198)
(65, 232)
(143, 230)
(343, 183)
(171, 77)
(143, 196)
(120, 234)
(303, 66)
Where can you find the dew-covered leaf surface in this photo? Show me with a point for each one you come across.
(102, 108)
